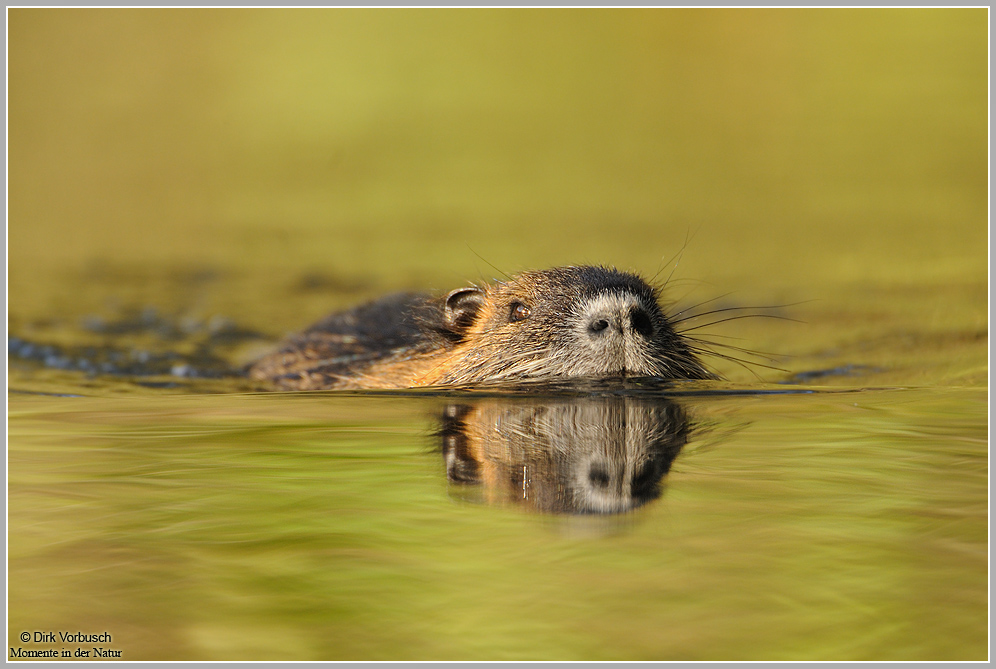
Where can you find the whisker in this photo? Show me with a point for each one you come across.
(677, 255)
(743, 363)
(696, 306)
(507, 277)
(724, 309)
(716, 334)
(771, 357)
(736, 318)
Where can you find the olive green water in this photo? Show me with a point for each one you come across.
(245, 172)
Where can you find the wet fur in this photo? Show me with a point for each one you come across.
(468, 337)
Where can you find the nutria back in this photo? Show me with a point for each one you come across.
(561, 323)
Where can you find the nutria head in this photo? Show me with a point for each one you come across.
(567, 322)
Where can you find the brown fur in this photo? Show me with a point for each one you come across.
(568, 322)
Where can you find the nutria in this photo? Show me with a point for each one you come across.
(562, 323)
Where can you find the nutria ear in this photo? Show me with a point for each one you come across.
(462, 307)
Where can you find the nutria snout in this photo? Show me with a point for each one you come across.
(561, 323)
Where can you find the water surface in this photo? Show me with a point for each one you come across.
(323, 525)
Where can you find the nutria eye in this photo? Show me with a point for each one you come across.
(520, 312)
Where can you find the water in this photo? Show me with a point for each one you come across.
(791, 525)
(188, 186)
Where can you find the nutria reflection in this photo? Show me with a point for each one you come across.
(578, 456)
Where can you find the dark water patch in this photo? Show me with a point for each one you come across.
(158, 384)
(113, 361)
(17, 391)
(140, 342)
(216, 330)
(324, 281)
(844, 370)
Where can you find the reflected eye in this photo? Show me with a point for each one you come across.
(519, 312)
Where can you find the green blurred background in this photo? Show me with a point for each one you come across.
(272, 164)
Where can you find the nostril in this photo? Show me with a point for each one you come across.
(598, 476)
(640, 321)
(598, 325)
